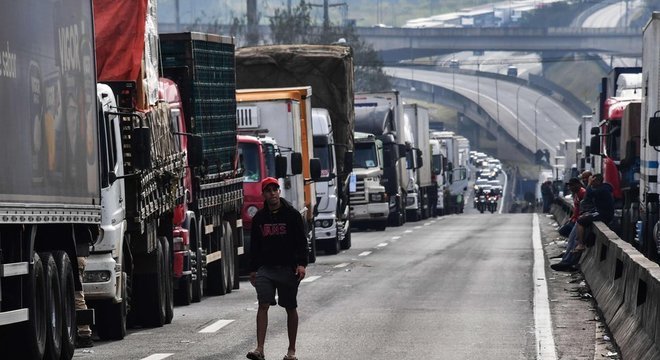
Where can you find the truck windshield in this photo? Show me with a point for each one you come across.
(365, 155)
(323, 154)
(269, 152)
(249, 153)
(613, 139)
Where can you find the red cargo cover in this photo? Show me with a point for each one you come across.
(119, 29)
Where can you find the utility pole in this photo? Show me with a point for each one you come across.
(252, 37)
(326, 12)
(178, 19)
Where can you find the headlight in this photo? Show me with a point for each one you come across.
(317, 223)
(251, 211)
(326, 223)
(377, 197)
(96, 276)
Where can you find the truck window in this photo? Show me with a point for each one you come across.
(323, 154)
(249, 152)
(365, 155)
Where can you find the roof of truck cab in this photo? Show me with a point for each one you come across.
(290, 93)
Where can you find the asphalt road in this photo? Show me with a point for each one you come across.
(456, 287)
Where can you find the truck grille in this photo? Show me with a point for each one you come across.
(359, 197)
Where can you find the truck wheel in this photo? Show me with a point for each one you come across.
(67, 285)
(346, 242)
(111, 318)
(33, 332)
(333, 246)
(167, 280)
(198, 281)
(53, 307)
(152, 299)
(217, 279)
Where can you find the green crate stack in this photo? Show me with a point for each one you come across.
(212, 92)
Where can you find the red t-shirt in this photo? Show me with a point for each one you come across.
(576, 203)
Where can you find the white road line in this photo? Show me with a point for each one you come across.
(157, 356)
(341, 265)
(364, 253)
(216, 326)
(396, 237)
(428, 223)
(545, 343)
(417, 227)
(310, 278)
(381, 245)
(408, 231)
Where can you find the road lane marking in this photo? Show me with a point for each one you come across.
(428, 223)
(216, 326)
(364, 253)
(381, 245)
(310, 278)
(545, 343)
(417, 227)
(341, 265)
(408, 231)
(157, 356)
(395, 238)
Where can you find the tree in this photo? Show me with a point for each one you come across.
(292, 27)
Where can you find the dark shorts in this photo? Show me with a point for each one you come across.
(280, 278)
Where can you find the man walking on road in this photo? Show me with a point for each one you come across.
(279, 258)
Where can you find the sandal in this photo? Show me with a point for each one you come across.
(255, 355)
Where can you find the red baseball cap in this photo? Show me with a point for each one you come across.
(269, 181)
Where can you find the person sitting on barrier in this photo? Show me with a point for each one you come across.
(578, 191)
(570, 258)
(598, 205)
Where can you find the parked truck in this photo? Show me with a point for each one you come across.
(328, 69)
(332, 228)
(369, 199)
(419, 122)
(50, 193)
(457, 150)
(438, 164)
(285, 114)
(202, 65)
(647, 237)
(130, 268)
(382, 114)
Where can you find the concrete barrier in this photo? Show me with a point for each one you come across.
(626, 286)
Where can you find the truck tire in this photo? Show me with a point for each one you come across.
(112, 318)
(198, 269)
(53, 307)
(68, 287)
(32, 333)
(167, 280)
(229, 251)
(217, 277)
(346, 242)
(151, 294)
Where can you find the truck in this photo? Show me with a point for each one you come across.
(202, 66)
(584, 137)
(50, 200)
(332, 228)
(328, 69)
(438, 164)
(285, 115)
(608, 143)
(129, 271)
(382, 114)
(419, 122)
(457, 149)
(369, 202)
(647, 239)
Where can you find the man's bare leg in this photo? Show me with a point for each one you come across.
(292, 329)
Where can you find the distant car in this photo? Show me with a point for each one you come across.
(512, 71)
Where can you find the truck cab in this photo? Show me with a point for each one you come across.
(331, 227)
(370, 202)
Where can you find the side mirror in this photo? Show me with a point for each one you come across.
(419, 160)
(315, 168)
(594, 145)
(296, 163)
(390, 154)
(195, 152)
(141, 148)
(654, 131)
(348, 162)
(280, 166)
(402, 150)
